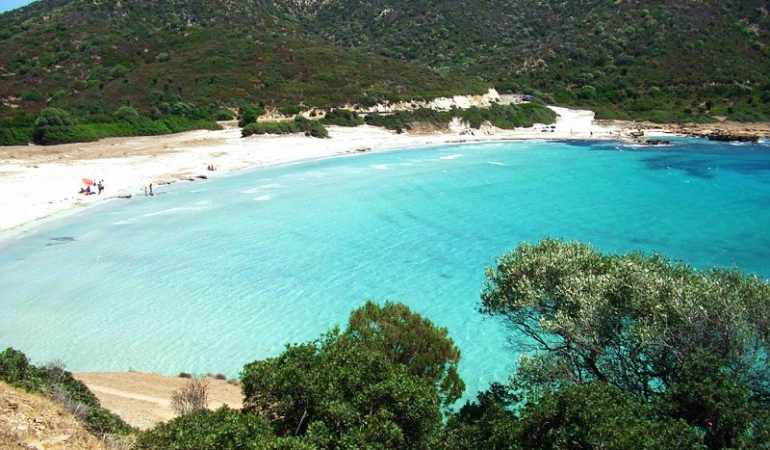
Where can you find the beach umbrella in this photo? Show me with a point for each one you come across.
(88, 182)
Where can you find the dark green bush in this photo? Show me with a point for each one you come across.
(15, 135)
(224, 114)
(597, 415)
(298, 125)
(223, 429)
(290, 110)
(249, 114)
(55, 126)
(342, 117)
(127, 113)
(501, 116)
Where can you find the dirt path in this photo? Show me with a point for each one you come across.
(143, 399)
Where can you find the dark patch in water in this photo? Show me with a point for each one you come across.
(698, 168)
(446, 276)
(705, 166)
(60, 240)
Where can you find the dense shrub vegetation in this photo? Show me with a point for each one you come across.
(501, 116)
(343, 118)
(654, 60)
(53, 381)
(298, 125)
(194, 51)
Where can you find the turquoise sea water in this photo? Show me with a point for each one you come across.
(208, 276)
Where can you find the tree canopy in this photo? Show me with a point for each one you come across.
(629, 320)
(378, 384)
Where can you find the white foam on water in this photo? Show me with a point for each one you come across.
(263, 198)
(258, 189)
(495, 163)
(176, 210)
(450, 157)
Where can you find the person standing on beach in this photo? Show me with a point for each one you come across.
(151, 194)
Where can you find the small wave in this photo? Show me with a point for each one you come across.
(449, 157)
(495, 163)
(263, 198)
(380, 166)
(257, 189)
(122, 222)
(178, 209)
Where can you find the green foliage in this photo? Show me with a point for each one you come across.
(223, 429)
(507, 116)
(712, 399)
(248, 114)
(291, 110)
(629, 320)
(146, 53)
(587, 55)
(343, 118)
(350, 390)
(597, 415)
(223, 114)
(487, 423)
(127, 113)
(408, 339)
(53, 117)
(54, 381)
(312, 128)
(501, 116)
(15, 135)
(55, 126)
(16, 370)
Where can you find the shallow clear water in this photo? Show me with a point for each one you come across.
(208, 276)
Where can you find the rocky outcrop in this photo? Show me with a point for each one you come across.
(30, 421)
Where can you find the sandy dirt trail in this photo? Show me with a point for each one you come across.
(143, 399)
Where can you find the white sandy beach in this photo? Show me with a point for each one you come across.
(38, 182)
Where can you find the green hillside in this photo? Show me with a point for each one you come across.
(91, 58)
(654, 60)
(648, 59)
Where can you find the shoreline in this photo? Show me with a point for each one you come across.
(41, 183)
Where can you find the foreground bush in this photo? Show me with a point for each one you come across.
(378, 384)
(59, 384)
(223, 429)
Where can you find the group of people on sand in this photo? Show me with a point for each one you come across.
(88, 191)
(211, 168)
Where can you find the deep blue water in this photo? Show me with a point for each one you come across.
(208, 276)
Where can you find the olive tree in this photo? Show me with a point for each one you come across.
(631, 320)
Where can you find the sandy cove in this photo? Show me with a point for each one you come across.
(143, 399)
(38, 182)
